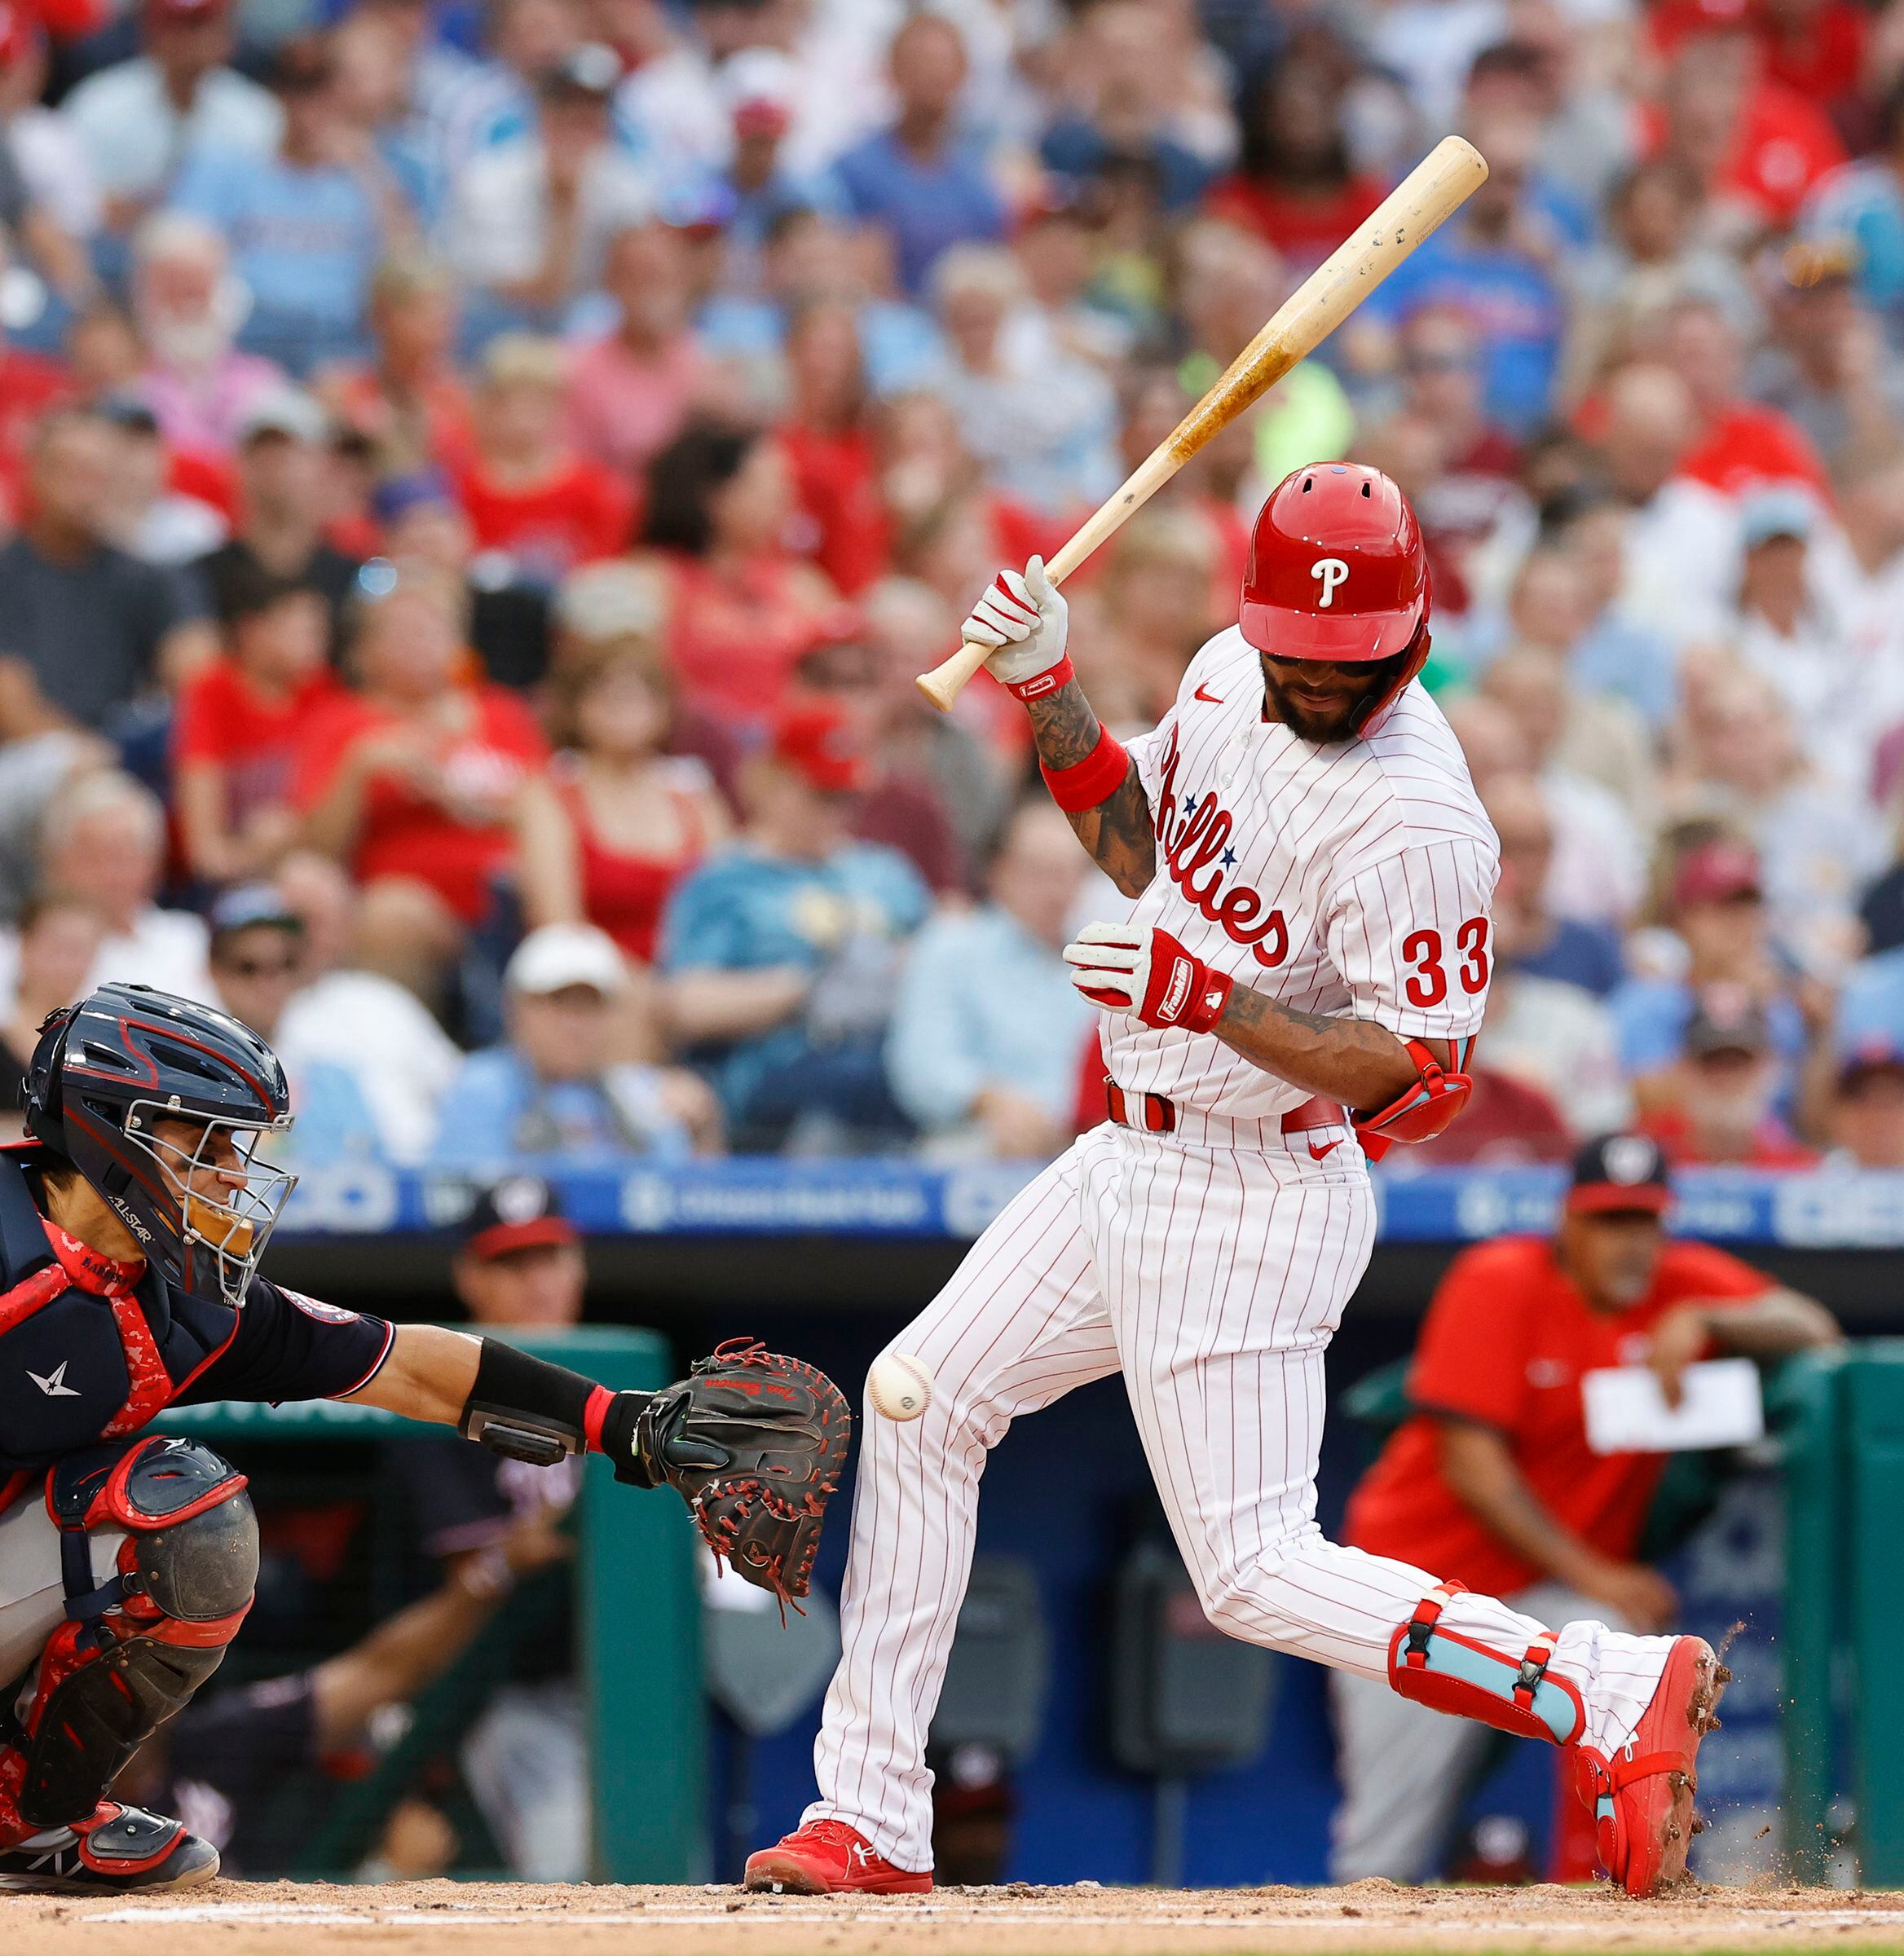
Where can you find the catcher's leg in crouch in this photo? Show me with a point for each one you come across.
(1213, 1279)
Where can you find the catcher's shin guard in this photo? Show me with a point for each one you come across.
(134, 1648)
(1436, 1666)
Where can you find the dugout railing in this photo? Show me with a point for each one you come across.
(636, 1612)
(1844, 1612)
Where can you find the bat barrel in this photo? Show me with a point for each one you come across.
(1431, 192)
(1444, 179)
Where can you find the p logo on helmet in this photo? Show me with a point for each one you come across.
(1329, 571)
(1337, 573)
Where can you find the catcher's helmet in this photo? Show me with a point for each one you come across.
(1336, 572)
(124, 1057)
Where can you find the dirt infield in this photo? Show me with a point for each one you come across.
(448, 1918)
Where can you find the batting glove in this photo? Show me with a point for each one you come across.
(1139, 969)
(1027, 621)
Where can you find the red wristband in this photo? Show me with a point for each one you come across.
(593, 1412)
(1042, 684)
(1095, 778)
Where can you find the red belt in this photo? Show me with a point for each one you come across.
(1155, 1115)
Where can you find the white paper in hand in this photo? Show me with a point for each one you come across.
(1627, 1411)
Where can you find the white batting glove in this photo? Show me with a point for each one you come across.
(1141, 969)
(1110, 964)
(1025, 619)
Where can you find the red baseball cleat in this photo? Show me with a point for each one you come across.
(1642, 1797)
(828, 1857)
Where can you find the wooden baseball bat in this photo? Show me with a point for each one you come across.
(1437, 187)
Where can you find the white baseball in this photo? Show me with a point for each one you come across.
(900, 1385)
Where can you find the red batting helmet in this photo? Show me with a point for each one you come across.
(1336, 572)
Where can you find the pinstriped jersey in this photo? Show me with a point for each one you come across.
(1354, 878)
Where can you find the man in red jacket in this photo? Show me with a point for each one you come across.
(1493, 1479)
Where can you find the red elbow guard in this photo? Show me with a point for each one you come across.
(1422, 1110)
(1095, 778)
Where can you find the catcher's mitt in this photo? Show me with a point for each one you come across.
(754, 1441)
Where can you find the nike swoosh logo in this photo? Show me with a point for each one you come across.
(1322, 1153)
(1200, 693)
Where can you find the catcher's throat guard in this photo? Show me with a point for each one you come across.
(1421, 1111)
(1437, 1666)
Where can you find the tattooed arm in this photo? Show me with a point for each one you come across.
(1026, 621)
(1410, 936)
(1118, 832)
(1355, 1061)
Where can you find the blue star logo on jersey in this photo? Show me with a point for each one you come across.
(1189, 804)
(1228, 859)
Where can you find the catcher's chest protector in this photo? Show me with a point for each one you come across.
(85, 1356)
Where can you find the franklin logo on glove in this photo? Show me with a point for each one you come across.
(1145, 971)
(1178, 990)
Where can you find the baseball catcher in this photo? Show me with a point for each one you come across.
(132, 1222)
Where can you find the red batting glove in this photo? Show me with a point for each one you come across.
(1142, 970)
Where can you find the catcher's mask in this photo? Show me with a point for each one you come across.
(108, 1073)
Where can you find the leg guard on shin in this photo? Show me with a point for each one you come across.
(133, 1649)
(1436, 1666)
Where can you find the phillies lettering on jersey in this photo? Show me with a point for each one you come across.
(1355, 877)
(1199, 843)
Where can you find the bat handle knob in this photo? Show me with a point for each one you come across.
(947, 681)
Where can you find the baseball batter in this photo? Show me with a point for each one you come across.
(1295, 988)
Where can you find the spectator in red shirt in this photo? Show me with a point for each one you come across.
(829, 444)
(1739, 444)
(528, 494)
(413, 782)
(630, 392)
(1755, 145)
(1295, 186)
(1492, 1478)
(1815, 48)
(1715, 1103)
(408, 398)
(618, 821)
(741, 610)
(240, 718)
(30, 384)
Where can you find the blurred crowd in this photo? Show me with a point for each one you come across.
(480, 475)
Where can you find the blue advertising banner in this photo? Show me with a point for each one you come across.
(763, 1197)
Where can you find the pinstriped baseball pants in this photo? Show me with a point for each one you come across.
(1212, 1278)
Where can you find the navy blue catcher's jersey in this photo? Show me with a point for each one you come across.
(92, 1351)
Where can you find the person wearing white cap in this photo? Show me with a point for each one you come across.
(553, 1091)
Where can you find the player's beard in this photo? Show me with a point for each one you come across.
(1344, 716)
